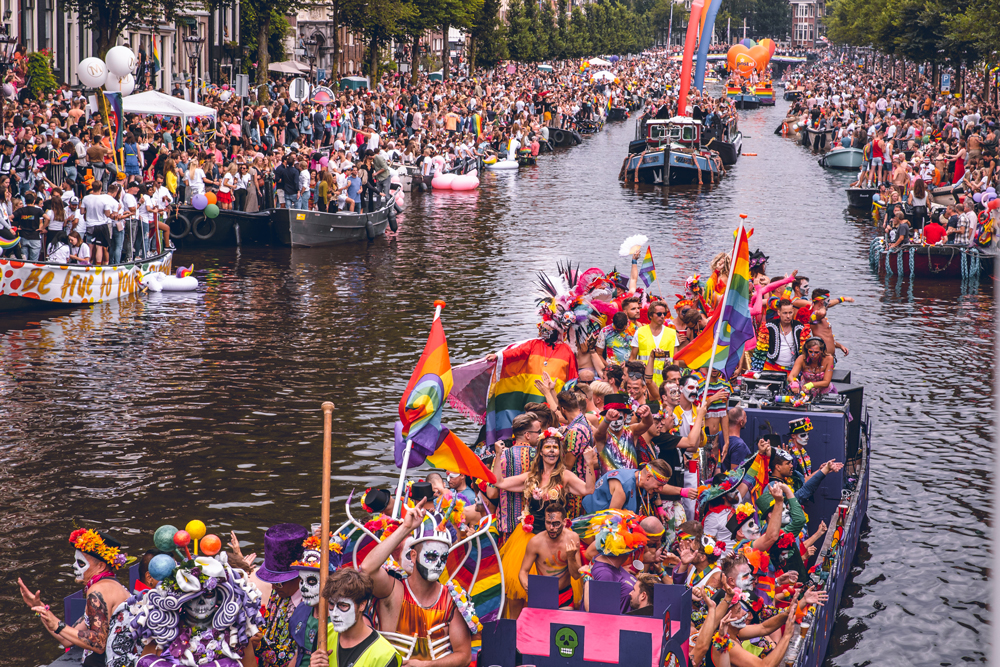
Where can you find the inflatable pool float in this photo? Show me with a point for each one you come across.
(442, 181)
(490, 160)
(468, 181)
(182, 281)
(503, 165)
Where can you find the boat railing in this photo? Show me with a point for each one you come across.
(835, 559)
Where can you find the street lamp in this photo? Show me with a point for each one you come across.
(192, 45)
(7, 47)
(311, 47)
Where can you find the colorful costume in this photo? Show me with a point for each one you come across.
(765, 357)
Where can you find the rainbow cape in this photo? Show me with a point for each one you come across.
(513, 384)
(728, 329)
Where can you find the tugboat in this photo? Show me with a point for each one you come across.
(671, 154)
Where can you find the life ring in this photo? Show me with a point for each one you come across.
(558, 136)
(370, 230)
(183, 230)
(199, 228)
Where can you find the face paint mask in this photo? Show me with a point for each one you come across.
(786, 517)
(80, 565)
(201, 608)
(616, 424)
(309, 587)
(550, 336)
(431, 561)
(744, 582)
(750, 530)
(690, 391)
(739, 624)
(343, 615)
(407, 562)
(804, 439)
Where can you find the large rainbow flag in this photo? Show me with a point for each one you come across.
(420, 413)
(114, 101)
(648, 270)
(730, 327)
(513, 385)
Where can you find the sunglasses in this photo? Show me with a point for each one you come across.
(634, 375)
(657, 314)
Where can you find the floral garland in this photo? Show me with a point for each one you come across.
(464, 606)
(90, 542)
(453, 508)
(205, 646)
(785, 540)
(803, 457)
(721, 643)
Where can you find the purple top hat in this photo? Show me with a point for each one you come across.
(282, 547)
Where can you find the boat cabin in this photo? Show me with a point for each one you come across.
(677, 130)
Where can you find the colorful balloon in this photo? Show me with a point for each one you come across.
(747, 42)
(769, 44)
(211, 545)
(211, 211)
(745, 65)
(734, 52)
(195, 529)
(212, 199)
(163, 538)
(182, 538)
(760, 56)
(199, 202)
(162, 566)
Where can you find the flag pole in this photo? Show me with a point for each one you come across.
(324, 531)
(722, 307)
(438, 305)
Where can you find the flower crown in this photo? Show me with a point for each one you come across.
(90, 542)
(744, 512)
(550, 433)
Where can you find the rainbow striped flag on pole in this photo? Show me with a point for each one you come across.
(720, 345)
(156, 57)
(647, 272)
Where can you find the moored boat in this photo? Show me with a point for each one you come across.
(938, 261)
(617, 113)
(305, 229)
(746, 101)
(817, 138)
(842, 158)
(561, 138)
(31, 285)
(861, 197)
(792, 94)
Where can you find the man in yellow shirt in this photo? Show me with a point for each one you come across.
(350, 640)
(655, 338)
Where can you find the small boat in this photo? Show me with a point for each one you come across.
(306, 229)
(792, 94)
(861, 197)
(937, 261)
(842, 158)
(544, 634)
(725, 139)
(673, 154)
(947, 195)
(408, 175)
(561, 138)
(526, 159)
(33, 285)
(589, 126)
(503, 165)
(746, 101)
(617, 113)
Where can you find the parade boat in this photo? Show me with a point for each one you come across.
(564, 138)
(792, 94)
(861, 198)
(942, 262)
(948, 195)
(672, 154)
(545, 635)
(725, 138)
(189, 226)
(742, 98)
(617, 113)
(842, 158)
(33, 285)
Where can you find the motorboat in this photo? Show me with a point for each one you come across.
(842, 158)
(671, 154)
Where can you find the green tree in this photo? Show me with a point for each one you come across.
(579, 36)
(249, 27)
(39, 74)
(521, 43)
(107, 19)
(550, 29)
(488, 43)
(378, 21)
(458, 14)
(562, 22)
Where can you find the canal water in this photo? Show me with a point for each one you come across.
(170, 407)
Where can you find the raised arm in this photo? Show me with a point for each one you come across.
(577, 486)
(376, 558)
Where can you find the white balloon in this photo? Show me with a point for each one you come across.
(121, 60)
(124, 84)
(92, 72)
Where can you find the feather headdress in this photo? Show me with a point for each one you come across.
(615, 532)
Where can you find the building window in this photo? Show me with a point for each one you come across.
(350, 39)
(350, 67)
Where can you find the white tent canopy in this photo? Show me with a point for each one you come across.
(155, 103)
(288, 67)
(599, 62)
(603, 75)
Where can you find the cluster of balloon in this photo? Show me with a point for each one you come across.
(988, 199)
(114, 72)
(167, 539)
(748, 55)
(208, 203)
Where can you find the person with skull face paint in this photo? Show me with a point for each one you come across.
(417, 613)
(304, 622)
(282, 547)
(97, 558)
(350, 642)
(617, 440)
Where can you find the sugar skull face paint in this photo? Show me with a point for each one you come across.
(432, 559)
(80, 565)
(343, 614)
(202, 607)
(309, 587)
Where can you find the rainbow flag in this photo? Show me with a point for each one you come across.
(477, 121)
(731, 327)
(156, 57)
(648, 270)
(757, 476)
(480, 574)
(423, 398)
(513, 383)
(733, 91)
(420, 414)
(115, 117)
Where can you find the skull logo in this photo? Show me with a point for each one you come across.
(566, 642)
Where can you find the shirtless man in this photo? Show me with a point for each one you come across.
(820, 325)
(101, 590)
(554, 553)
